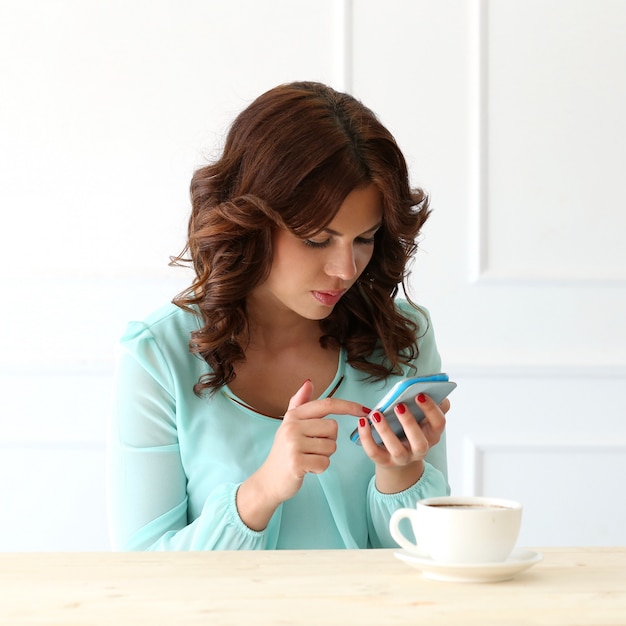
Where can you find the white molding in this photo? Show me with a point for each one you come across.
(475, 450)
(538, 371)
(77, 366)
(86, 275)
(479, 271)
(472, 468)
(70, 367)
(53, 445)
(343, 28)
(477, 166)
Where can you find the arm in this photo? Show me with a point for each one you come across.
(148, 502)
(415, 468)
(382, 505)
(303, 444)
(404, 474)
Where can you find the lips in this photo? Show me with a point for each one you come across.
(330, 297)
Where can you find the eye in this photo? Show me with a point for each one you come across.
(316, 244)
(365, 241)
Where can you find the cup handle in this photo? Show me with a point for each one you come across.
(394, 528)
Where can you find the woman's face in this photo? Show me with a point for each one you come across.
(309, 276)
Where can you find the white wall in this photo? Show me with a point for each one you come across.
(509, 113)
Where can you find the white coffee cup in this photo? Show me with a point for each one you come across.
(460, 529)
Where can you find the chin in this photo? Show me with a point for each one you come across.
(319, 317)
(320, 313)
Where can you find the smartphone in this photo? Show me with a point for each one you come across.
(437, 386)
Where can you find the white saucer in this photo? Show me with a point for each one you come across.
(519, 560)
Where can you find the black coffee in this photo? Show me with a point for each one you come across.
(467, 506)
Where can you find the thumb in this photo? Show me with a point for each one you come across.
(301, 396)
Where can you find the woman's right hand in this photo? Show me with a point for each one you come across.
(303, 444)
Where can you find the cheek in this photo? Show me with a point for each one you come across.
(290, 258)
(363, 256)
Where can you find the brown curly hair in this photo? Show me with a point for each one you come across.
(289, 161)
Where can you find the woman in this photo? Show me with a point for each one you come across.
(233, 405)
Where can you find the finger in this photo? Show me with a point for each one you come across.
(434, 415)
(415, 437)
(323, 446)
(371, 448)
(316, 463)
(301, 396)
(396, 447)
(445, 405)
(320, 428)
(316, 409)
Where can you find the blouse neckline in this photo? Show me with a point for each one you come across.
(329, 392)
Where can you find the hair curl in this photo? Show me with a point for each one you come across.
(289, 161)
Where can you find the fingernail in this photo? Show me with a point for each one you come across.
(421, 397)
(366, 410)
(362, 422)
(401, 408)
(377, 417)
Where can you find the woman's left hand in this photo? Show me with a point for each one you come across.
(400, 462)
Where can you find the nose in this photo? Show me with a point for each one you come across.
(342, 263)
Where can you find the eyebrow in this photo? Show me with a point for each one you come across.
(330, 231)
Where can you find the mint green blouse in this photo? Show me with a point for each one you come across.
(175, 461)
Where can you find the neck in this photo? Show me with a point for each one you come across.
(272, 329)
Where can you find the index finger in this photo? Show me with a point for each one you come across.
(317, 409)
(301, 396)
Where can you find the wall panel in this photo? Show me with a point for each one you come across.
(53, 497)
(563, 486)
(554, 139)
(510, 116)
(553, 438)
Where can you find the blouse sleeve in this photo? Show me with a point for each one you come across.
(381, 505)
(146, 482)
(434, 480)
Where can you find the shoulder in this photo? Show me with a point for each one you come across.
(415, 312)
(168, 326)
(428, 360)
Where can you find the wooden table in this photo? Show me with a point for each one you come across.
(352, 587)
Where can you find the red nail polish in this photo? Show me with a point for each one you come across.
(377, 417)
(362, 422)
(421, 398)
(366, 410)
(401, 408)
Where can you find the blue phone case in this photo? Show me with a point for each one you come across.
(437, 387)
